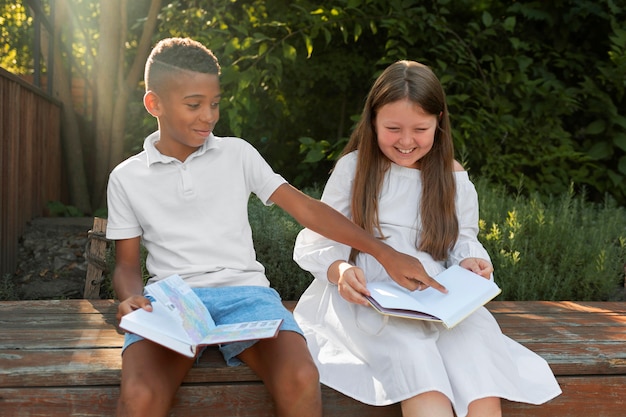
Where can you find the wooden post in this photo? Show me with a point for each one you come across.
(96, 258)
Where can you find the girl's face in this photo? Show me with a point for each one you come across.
(187, 110)
(405, 132)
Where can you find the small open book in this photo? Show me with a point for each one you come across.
(180, 321)
(467, 292)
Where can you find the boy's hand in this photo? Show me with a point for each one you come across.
(132, 303)
(478, 266)
(409, 273)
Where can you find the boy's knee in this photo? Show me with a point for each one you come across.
(298, 393)
(138, 399)
(304, 378)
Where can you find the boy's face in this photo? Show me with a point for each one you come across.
(187, 108)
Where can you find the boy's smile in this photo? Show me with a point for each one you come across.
(187, 109)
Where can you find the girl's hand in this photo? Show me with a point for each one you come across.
(478, 266)
(132, 303)
(352, 285)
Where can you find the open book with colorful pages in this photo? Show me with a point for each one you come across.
(181, 322)
(467, 292)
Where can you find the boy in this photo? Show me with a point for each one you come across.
(185, 196)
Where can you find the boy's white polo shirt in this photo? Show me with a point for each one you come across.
(193, 215)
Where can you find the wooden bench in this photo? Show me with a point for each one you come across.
(62, 358)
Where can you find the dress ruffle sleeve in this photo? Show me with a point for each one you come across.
(467, 244)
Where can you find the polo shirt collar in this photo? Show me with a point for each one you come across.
(154, 156)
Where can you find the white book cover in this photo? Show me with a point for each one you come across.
(180, 321)
(467, 292)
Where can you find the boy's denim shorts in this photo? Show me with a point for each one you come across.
(229, 305)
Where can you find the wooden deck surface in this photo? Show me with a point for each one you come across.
(63, 358)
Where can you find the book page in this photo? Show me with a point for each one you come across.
(184, 305)
(238, 332)
(158, 325)
(466, 292)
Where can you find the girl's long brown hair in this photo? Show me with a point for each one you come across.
(439, 224)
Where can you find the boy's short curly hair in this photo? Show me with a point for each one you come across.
(172, 55)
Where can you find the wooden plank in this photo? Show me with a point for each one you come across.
(84, 367)
(534, 310)
(608, 331)
(584, 359)
(543, 307)
(582, 397)
(603, 397)
(21, 308)
(59, 368)
(240, 400)
(61, 339)
(103, 366)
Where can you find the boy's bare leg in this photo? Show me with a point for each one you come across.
(151, 375)
(289, 373)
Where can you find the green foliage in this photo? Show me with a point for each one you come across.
(559, 249)
(15, 39)
(274, 234)
(58, 209)
(523, 105)
(549, 109)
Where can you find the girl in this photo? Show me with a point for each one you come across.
(398, 180)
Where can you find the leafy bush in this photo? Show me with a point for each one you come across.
(58, 209)
(558, 248)
(274, 234)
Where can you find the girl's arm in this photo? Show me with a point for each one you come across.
(467, 244)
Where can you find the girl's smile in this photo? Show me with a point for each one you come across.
(405, 132)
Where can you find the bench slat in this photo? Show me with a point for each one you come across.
(241, 400)
(603, 397)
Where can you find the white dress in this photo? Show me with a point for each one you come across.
(380, 360)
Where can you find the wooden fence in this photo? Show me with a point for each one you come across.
(30, 160)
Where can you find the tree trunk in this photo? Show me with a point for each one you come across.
(70, 133)
(107, 66)
(113, 86)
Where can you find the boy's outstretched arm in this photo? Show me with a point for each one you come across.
(127, 279)
(323, 219)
